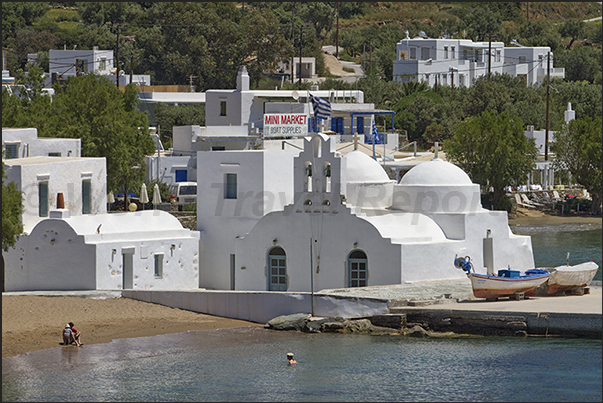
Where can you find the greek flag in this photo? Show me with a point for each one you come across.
(322, 107)
(374, 132)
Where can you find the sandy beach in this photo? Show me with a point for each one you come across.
(32, 323)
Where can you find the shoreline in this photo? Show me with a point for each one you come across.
(536, 217)
(33, 323)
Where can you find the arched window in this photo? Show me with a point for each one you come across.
(277, 267)
(308, 171)
(327, 176)
(357, 269)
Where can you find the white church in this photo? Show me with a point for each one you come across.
(313, 219)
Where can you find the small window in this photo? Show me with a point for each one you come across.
(102, 64)
(452, 55)
(11, 150)
(43, 199)
(230, 186)
(498, 55)
(445, 52)
(158, 265)
(424, 53)
(413, 53)
(222, 108)
(54, 154)
(86, 197)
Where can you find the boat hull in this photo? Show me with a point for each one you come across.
(565, 278)
(488, 286)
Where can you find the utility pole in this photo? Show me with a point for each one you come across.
(190, 82)
(452, 80)
(370, 57)
(292, 38)
(301, 36)
(364, 59)
(131, 67)
(117, 27)
(548, 92)
(489, 53)
(117, 60)
(337, 39)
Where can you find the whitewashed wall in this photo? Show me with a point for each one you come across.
(222, 220)
(78, 253)
(64, 175)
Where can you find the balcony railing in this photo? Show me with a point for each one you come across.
(381, 138)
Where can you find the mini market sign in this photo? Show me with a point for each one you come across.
(285, 124)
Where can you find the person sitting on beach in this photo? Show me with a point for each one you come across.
(67, 335)
(291, 359)
(75, 335)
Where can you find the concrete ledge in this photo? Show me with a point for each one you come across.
(507, 323)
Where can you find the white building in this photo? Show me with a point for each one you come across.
(317, 220)
(457, 62)
(143, 250)
(67, 63)
(235, 120)
(307, 67)
(24, 142)
(69, 242)
(531, 64)
(46, 182)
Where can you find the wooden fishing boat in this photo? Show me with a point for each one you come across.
(508, 283)
(566, 278)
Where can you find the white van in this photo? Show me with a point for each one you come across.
(184, 193)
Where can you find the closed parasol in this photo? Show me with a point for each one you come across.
(156, 196)
(144, 197)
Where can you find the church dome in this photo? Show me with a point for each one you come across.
(436, 172)
(362, 168)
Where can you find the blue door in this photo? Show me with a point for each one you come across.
(337, 125)
(360, 125)
(181, 175)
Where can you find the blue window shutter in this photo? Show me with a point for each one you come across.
(181, 175)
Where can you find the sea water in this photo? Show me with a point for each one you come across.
(551, 243)
(249, 364)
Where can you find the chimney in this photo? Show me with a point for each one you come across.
(569, 113)
(243, 79)
(60, 201)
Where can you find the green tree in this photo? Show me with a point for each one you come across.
(92, 109)
(12, 208)
(577, 149)
(573, 29)
(484, 21)
(582, 63)
(18, 14)
(494, 151)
